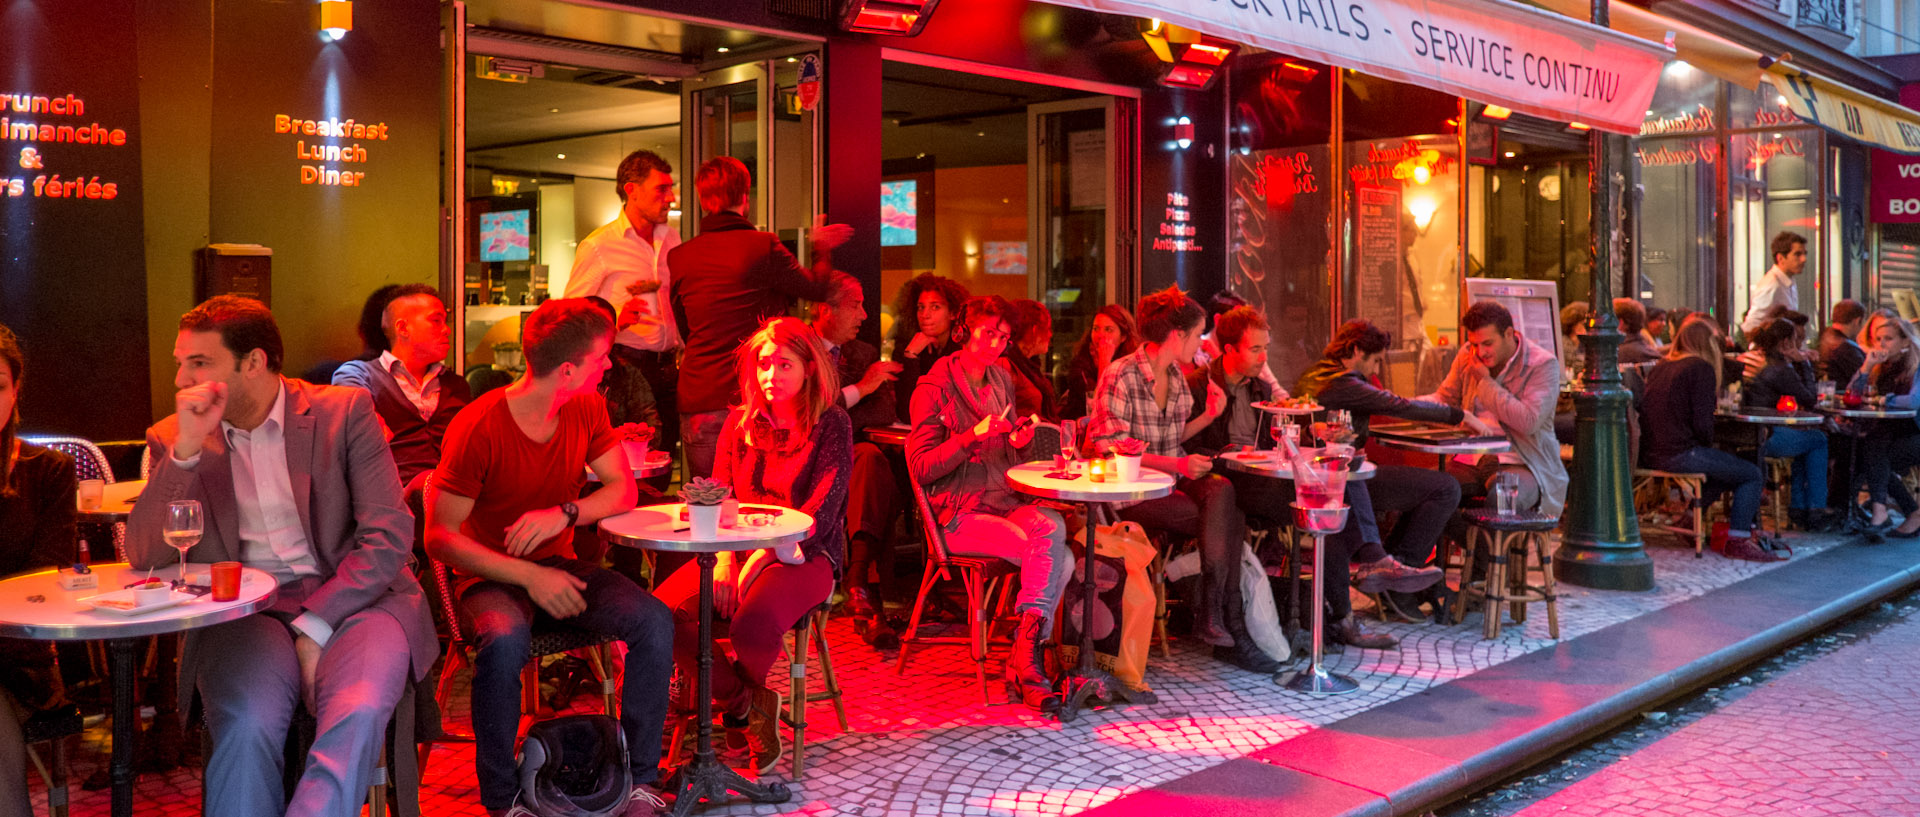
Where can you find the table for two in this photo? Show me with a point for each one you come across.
(33, 606)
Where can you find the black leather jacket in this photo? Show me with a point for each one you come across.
(1213, 439)
(1338, 388)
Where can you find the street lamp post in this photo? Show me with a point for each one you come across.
(1601, 547)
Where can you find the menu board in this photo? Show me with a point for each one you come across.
(1379, 257)
(1535, 306)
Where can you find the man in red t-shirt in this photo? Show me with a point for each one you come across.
(502, 509)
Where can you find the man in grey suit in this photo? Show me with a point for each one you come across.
(295, 480)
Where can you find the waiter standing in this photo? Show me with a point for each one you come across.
(1775, 291)
(625, 262)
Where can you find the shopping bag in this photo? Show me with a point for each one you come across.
(1263, 616)
(1123, 604)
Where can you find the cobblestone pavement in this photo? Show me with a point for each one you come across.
(1828, 728)
(922, 742)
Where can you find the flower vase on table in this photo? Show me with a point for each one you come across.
(704, 498)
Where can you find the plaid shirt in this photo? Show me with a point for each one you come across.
(1123, 406)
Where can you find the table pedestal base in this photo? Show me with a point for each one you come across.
(1082, 687)
(120, 665)
(1315, 679)
(1318, 681)
(707, 780)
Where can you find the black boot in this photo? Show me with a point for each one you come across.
(1209, 622)
(1026, 668)
(870, 620)
(1244, 653)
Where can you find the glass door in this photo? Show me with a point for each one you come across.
(1081, 229)
(752, 112)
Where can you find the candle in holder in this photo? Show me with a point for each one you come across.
(1097, 470)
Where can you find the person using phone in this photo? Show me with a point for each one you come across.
(961, 447)
(1505, 380)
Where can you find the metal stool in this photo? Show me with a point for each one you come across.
(1508, 541)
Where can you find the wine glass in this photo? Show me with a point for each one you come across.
(183, 528)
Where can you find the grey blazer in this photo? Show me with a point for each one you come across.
(350, 502)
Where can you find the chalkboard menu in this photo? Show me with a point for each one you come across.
(72, 256)
(1379, 257)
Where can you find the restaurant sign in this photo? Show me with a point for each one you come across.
(1893, 197)
(1493, 51)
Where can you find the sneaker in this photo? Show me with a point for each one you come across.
(645, 801)
(1745, 549)
(1351, 632)
(763, 731)
(1389, 574)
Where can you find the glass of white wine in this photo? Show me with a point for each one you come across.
(184, 525)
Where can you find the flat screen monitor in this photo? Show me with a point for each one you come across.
(506, 235)
(899, 213)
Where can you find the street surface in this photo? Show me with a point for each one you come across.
(1830, 727)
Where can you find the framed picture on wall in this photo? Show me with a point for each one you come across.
(906, 217)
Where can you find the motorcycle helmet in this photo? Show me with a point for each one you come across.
(575, 766)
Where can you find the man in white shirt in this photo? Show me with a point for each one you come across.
(625, 260)
(294, 480)
(1776, 292)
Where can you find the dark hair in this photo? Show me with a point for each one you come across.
(16, 363)
(636, 167)
(987, 306)
(1083, 350)
(1655, 313)
(374, 324)
(1231, 327)
(1486, 313)
(605, 306)
(1165, 312)
(1357, 335)
(1572, 315)
(1798, 318)
(1221, 303)
(1772, 334)
(906, 320)
(244, 325)
(1848, 310)
(1783, 243)
(722, 183)
(562, 330)
(1632, 315)
(1028, 317)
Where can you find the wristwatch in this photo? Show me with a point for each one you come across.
(573, 513)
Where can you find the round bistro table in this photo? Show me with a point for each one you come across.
(1853, 461)
(1040, 480)
(32, 606)
(659, 528)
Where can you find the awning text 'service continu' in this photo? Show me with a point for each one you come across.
(1492, 51)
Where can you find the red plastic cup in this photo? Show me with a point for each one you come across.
(226, 581)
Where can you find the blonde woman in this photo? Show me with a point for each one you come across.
(1892, 446)
(1676, 422)
(787, 444)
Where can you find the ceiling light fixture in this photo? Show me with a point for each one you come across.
(904, 18)
(723, 49)
(1193, 58)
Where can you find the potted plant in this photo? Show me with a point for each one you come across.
(703, 497)
(1127, 454)
(636, 439)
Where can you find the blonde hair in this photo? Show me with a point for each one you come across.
(1908, 363)
(819, 392)
(1699, 337)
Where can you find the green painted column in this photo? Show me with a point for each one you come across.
(1601, 544)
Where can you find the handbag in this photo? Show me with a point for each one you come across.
(1123, 604)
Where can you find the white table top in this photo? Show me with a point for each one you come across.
(1032, 479)
(116, 501)
(59, 615)
(655, 464)
(1271, 464)
(1446, 448)
(1771, 417)
(1856, 413)
(658, 527)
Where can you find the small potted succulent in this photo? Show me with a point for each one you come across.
(703, 497)
(637, 439)
(1127, 453)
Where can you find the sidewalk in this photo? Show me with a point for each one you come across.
(923, 743)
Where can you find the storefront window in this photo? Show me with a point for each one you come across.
(1776, 185)
(1678, 156)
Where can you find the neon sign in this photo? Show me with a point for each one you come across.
(37, 132)
(324, 155)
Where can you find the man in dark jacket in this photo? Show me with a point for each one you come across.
(1243, 337)
(726, 282)
(1424, 498)
(872, 498)
(1840, 356)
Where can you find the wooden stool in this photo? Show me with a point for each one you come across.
(1778, 482)
(1649, 482)
(1508, 541)
(813, 627)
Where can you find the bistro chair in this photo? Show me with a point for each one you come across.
(811, 627)
(982, 577)
(54, 727)
(1653, 487)
(1504, 544)
(89, 462)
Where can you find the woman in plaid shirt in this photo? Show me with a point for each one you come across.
(1144, 396)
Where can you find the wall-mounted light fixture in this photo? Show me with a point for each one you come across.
(1183, 132)
(1193, 59)
(334, 18)
(903, 18)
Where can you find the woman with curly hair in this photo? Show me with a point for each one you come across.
(925, 329)
(1111, 337)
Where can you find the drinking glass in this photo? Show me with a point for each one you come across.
(1506, 494)
(182, 531)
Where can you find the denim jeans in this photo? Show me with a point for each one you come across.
(500, 619)
(1203, 508)
(1033, 537)
(1808, 448)
(1725, 472)
(702, 440)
